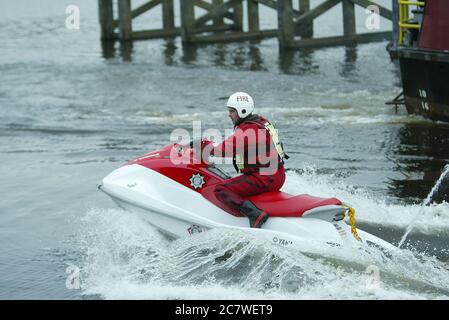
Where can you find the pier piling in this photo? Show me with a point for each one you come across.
(217, 21)
(238, 16)
(125, 20)
(187, 19)
(224, 21)
(285, 23)
(348, 18)
(253, 16)
(168, 14)
(105, 13)
(304, 30)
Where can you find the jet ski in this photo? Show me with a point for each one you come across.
(172, 189)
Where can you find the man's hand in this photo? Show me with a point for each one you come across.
(202, 149)
(199, 143)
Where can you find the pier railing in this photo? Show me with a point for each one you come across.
(407, 23)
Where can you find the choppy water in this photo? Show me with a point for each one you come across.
(72, 110)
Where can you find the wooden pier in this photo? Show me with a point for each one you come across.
(223, 21)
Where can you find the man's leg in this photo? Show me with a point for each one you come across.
(232, 191)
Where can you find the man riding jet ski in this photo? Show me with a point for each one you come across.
(179, 190)
(257, 153)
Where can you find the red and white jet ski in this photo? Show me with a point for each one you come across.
(175, 195)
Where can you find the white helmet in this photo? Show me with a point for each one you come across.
(242, 102)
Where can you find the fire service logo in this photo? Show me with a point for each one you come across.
(197, 181)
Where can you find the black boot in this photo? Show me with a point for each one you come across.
(256, 216)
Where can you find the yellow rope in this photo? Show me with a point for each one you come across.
(351, 214)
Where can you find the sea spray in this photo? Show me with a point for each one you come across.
(437, 193)
(440, 189)
(409, 228)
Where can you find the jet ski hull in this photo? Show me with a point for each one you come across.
(178, 211)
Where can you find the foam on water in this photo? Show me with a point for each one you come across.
(338, 114)
(125, 258)
(368, 208)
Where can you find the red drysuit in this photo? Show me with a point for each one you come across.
(255, 155)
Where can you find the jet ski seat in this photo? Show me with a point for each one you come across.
(281, 204)
(276, 203)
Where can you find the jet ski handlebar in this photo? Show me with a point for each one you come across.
(199, 143)
(195, 149)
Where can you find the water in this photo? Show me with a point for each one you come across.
(436, 195)
(72, 110)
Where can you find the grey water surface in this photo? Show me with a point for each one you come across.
(72, 109)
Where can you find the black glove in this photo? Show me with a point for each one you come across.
(199, 142)
(196, 142)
